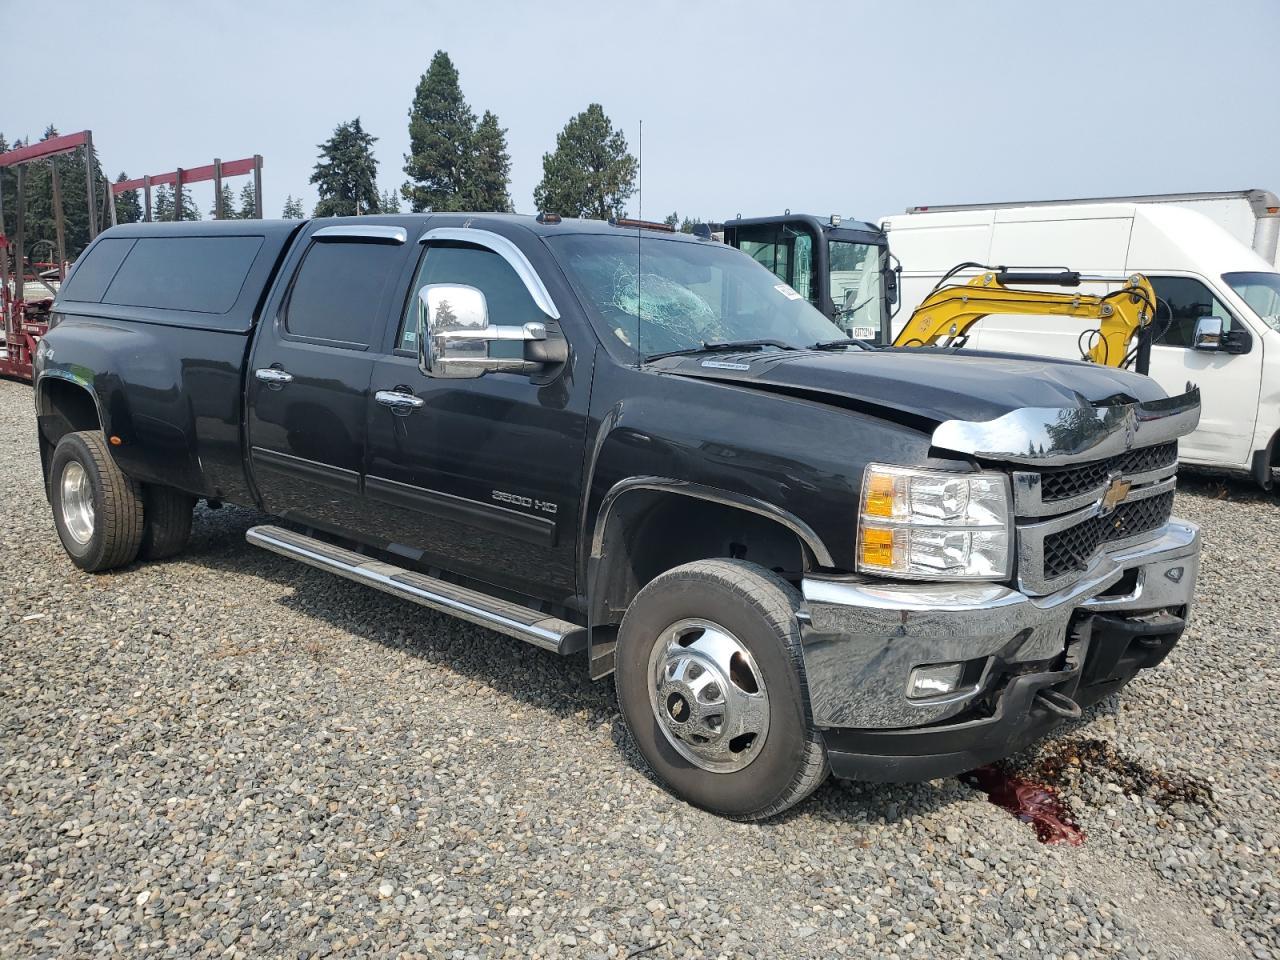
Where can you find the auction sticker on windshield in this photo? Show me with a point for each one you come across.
(787, 292)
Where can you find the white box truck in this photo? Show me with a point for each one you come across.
(1200, 272)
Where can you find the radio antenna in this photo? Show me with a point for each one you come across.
(640, 217)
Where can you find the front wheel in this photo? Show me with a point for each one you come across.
(711, 684)
(97, 509)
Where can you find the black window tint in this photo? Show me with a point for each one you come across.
(338, 290)
(1183, 301)
(89, 280)
(507, 298)
(197, 274)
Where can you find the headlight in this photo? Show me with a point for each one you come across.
(930, 525)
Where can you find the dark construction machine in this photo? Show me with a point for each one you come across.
(840, 266)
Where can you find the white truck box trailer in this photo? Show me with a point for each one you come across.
(1198, 269)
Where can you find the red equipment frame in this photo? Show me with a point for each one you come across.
(25, 323)
(181, 177)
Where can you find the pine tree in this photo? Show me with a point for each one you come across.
(389, 202)
(40, 224)
(346, 176)
(8, 189)
(228, 204)
(490, 168)
(441, 129)
(128, 205)
(292, 209)
(162, 204)
(590, 173)
(248, 202)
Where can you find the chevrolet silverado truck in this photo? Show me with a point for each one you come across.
(795, 554)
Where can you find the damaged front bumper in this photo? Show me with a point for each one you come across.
(1027, 662)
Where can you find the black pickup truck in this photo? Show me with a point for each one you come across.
(794, 553)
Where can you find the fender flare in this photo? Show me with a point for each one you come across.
(715, 495)
(600, 649)
(39, 394)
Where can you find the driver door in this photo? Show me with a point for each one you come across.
(479, 476)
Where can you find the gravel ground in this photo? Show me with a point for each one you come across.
(232, 754)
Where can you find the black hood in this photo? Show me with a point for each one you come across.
(922, 384)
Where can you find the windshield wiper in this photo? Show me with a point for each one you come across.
(845, 342)
(720, 346)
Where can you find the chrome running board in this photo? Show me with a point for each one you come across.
(532, 626)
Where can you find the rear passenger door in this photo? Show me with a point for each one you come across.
(308, 379)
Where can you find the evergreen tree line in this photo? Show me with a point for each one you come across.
(457, 161)
(39, 227)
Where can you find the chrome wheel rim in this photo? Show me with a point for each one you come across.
(77, 502)
(708, 695)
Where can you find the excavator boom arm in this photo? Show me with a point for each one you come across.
(947, 314)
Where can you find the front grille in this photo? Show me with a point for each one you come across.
(1070, 550)
(1063, 483)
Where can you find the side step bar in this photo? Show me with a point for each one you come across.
(540, 629)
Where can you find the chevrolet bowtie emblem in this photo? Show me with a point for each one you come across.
(1116, 493)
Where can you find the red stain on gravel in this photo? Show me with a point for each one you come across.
(1030, 802)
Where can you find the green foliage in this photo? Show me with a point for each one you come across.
(162, 206)
(292, 209)
(248, 202)
(454, 162)
(346, 176)
(684, 226)
(128, 204)
(389, 202)
(590, 173)
(486, 189)
(441, 126)
(39, 223)
(228, 204)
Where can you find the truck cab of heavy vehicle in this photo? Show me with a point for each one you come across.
(1217, 320)
(840, 266)
(794, 553)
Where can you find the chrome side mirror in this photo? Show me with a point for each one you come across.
(455, 336)
(1208, 334)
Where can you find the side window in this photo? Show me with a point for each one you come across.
(1183, 301)
(338, 290)
(508, 301)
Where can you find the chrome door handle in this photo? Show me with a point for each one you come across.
(401, 403)
(273, 377)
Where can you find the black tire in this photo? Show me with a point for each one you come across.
(117, 504)
(168, 522)
(759, 608)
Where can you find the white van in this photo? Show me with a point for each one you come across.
(1199, 271)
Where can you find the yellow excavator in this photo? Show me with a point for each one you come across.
(1121, 336)
(845, 269)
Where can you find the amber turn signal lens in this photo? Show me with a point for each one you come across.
(877, 547)
(880, 495)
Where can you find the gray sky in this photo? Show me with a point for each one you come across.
(861, 108)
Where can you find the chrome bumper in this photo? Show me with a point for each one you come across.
(863, 638)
